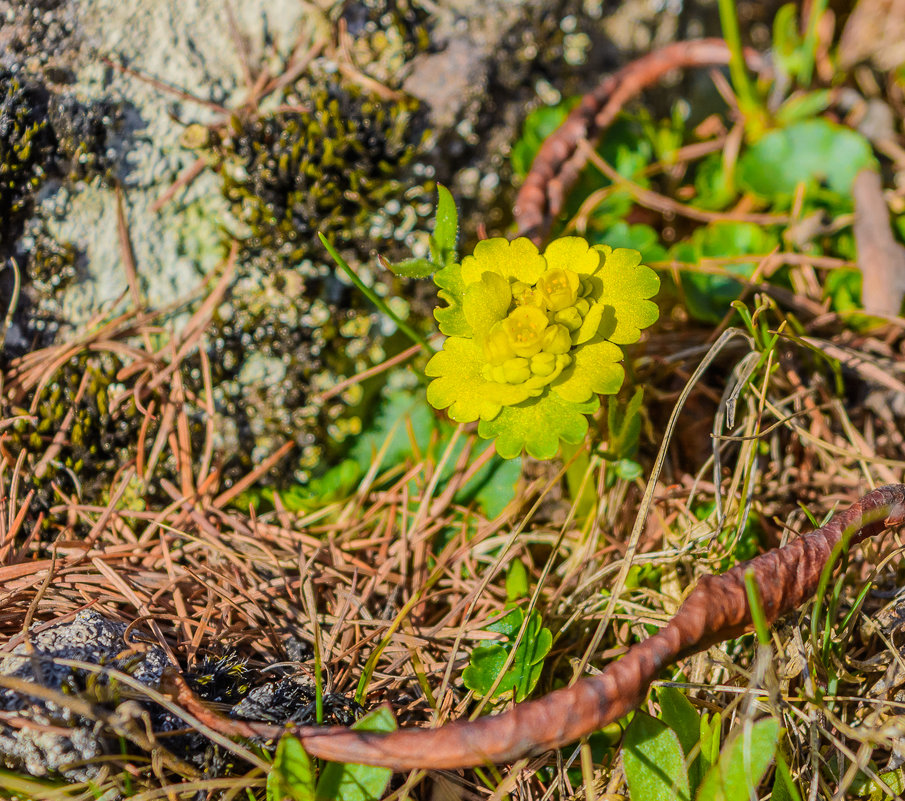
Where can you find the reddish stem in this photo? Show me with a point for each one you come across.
(717, 609)
(559, 161)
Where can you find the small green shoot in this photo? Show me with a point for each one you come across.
(758, 617)
(292, 774)
(487, 661)
(442, 242)
(742, 764)
(516, 581)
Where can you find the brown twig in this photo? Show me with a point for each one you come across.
(717, 609)
(560, 160)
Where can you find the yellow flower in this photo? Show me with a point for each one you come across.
(559, 288)
(525, 328)
(540, 336)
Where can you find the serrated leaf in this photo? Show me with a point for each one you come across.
(340, 782)
(459, 384)
(451, 318)
(538, 425)
(595, 370)
(292, 774)
(628, 286)
(412, 268)
(446, 229)
(653, 760)
(743, 762)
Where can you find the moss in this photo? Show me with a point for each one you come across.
(385, 34)
(281, 339)
(99, 442)
(329, 168)
(43, 135)
(52, 264)
(83, 136)
(27, 148)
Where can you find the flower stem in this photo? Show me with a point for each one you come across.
(378, 301)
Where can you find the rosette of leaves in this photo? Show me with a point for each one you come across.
(330, 167)
(533, 339)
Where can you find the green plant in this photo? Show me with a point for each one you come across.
(678, 755)
(294, 775)
(532, 339)
(487, 673)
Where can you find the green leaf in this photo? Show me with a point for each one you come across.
(412, 268)
(742, 764)
(708, 296)
(537, 426)
(628, 470)
(677, 712)
(493, 486)
(786, 40)
(292, 774)
(446, 229)
(624, 425)
(451, 318)
(340, 782)
(627, 286)
(516, 580)
(653, 760)
(714, 183)
(814, 152)
(710, 738)
(894, 780)
(539, 124)
(487, 661)
(784, 788)
(801, 106)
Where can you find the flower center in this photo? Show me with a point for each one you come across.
(525, 329)
(559, 288)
